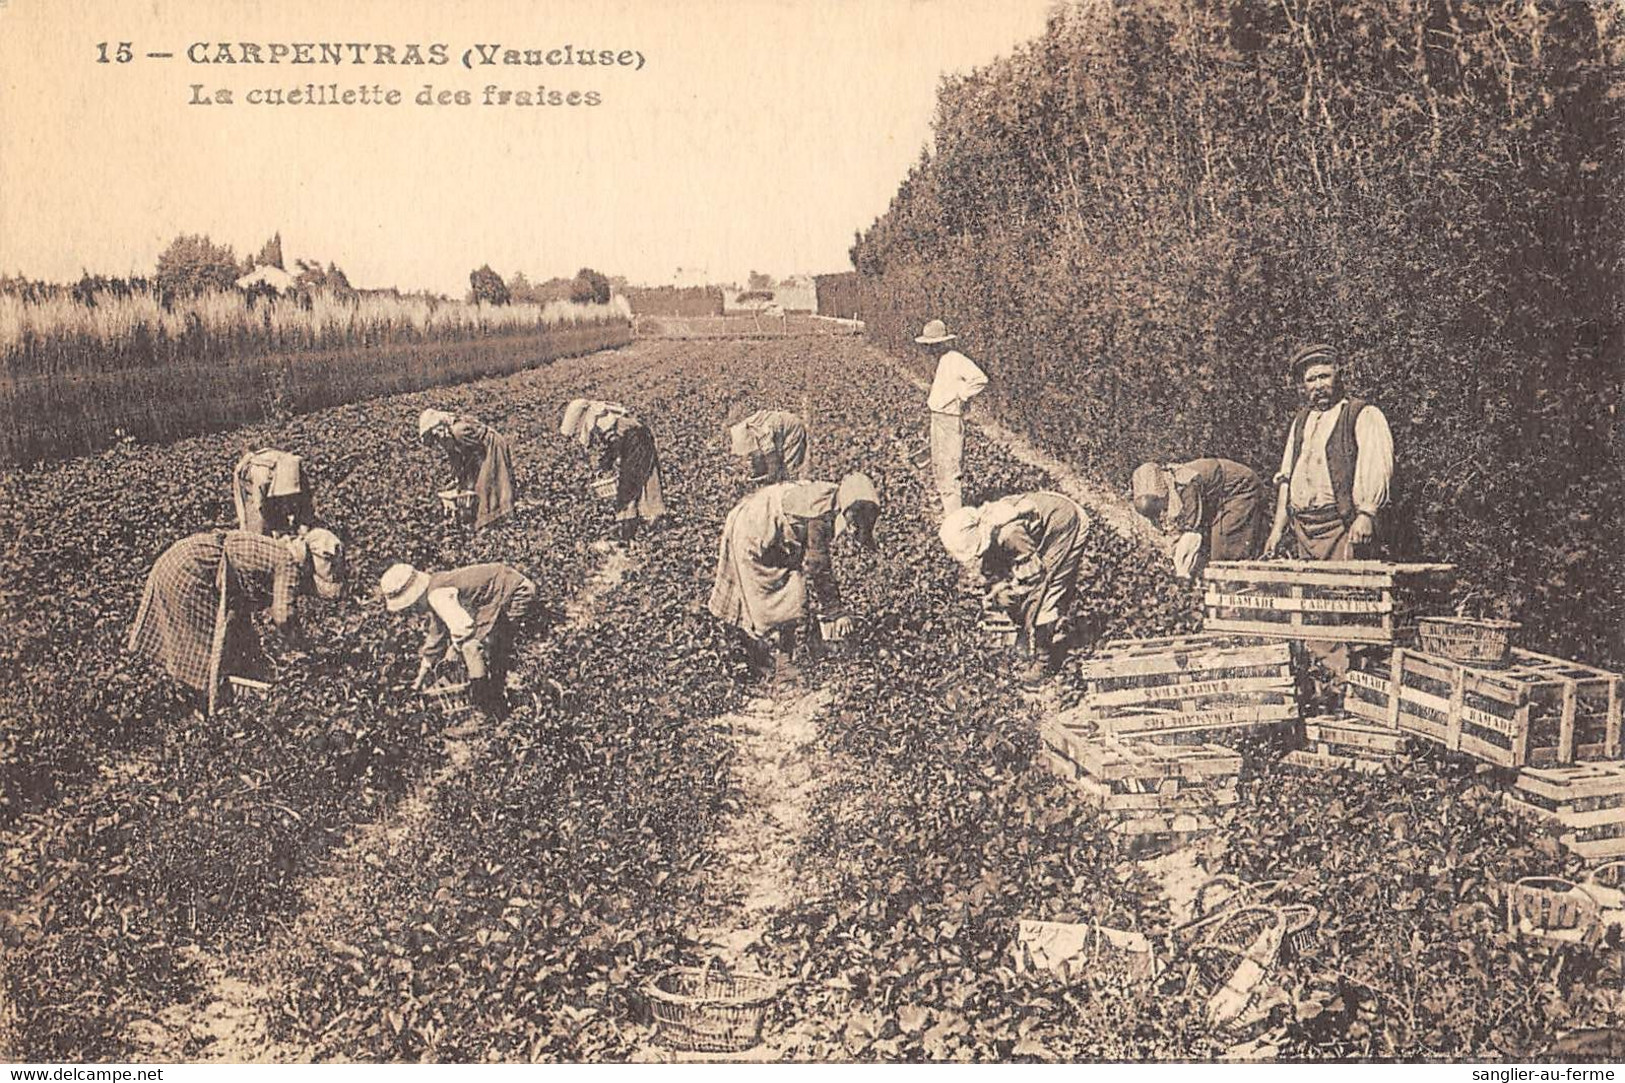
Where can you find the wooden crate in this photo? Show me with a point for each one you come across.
(1346, 601)
(1140, 779)
(1587, 800)
(1538, 710)
(1180, 684)
(1346, 741)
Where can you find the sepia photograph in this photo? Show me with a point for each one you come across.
(659, 532)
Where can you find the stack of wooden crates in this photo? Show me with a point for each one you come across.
(1554, 722)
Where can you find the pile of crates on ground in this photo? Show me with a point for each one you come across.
(1141, 740)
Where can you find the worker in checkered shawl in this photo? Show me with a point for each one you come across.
(196, 611)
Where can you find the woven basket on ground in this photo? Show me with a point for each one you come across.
(605, 486)
(451, 698)
(1478, 641)
(1552, 908)
(710, 1009)
(457, 503)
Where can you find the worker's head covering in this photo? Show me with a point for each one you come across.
(572, 417)
(967, 533)
(401, 586)
(1150, 479)
(287, 473)
(935, 331)
(430, 420)
(1149, 490)
(1317, 354)
(857, 507)
(321, 551)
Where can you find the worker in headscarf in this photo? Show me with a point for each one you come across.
(481, 459)
(470, 615)
(772, 444)
(957, 380)
(774, 559)
(626, 446)
(271, 494)
(1336, 468)
(1218, 507)
(195, 615)
(1031, 549)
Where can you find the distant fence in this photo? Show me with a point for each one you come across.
(674, 301)
(54, 415)
(843, 295)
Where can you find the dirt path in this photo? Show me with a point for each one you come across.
(228, 1022)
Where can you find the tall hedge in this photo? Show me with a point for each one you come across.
(1133, 219)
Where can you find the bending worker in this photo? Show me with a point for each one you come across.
(1030, 548)
(956, 382)
(1218, 507)
(626, 446)
(775, 552)
(772, 445)
(196, 611)
(470, 614)
(1336, 468)
(481, 460)
(269, 491)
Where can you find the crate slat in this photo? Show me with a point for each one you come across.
(1321, 761)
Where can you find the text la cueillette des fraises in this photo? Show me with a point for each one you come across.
(236, 56)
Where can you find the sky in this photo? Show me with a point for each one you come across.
(757, 135)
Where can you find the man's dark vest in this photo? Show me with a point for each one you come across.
(1342, 451)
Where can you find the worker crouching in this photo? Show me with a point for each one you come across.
(470, 615)
(774, 567)
(481, 460)
(771, 446)
(271, 494)
(196, 615)
(1030, 549)
(626, 451)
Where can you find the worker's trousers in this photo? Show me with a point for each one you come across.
(947, 448)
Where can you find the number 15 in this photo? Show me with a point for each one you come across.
(123, 56)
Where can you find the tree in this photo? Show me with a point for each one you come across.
(193, 264)
(271, 254)
(590, 288)
(760, 281)
(487, 286)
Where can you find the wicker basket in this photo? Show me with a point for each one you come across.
(457, 503)
(1552, 908)
(1468, 639)
(1218, 897)
(709, 1009)
(1606, 884)
(998, 630)
(452, 698)
(605, 486)
(1300, 939)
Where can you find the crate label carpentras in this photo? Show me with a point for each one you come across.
(1349, 601)
(1188, 683)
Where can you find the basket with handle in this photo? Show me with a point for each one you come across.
(452, 698)
(457, 504)
(605, 486)
(1478, 641)
(1253, 933)
(1606, 884)
(997, 629)
(1218, 897)
(710, 1009)
(1300, 936)
(1552, 908)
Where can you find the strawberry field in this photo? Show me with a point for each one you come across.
(335, 871)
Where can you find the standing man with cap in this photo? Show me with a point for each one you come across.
(1219, 508)
(470, 613)
(1336, 468)
(957, 381)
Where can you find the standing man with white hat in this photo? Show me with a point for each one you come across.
(957, 381)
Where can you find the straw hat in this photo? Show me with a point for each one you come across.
(572, 417)
(429, 420)
(935, 331)
(401, 586)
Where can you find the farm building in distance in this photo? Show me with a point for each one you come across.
(791, 296)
